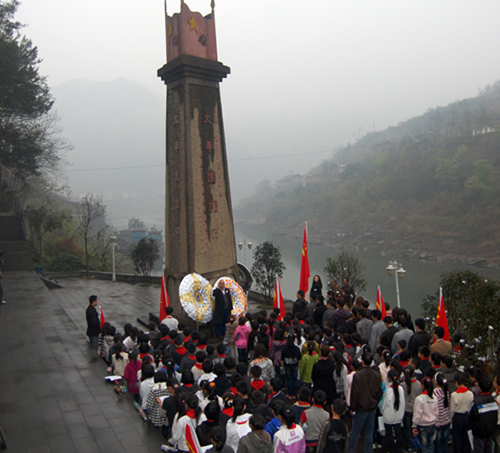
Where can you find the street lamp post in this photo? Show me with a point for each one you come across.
(394, 266)
(241, 245)
(113, 244)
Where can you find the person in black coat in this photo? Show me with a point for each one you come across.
(322, 375)
(93, 323)
(317, 286)
(223, 308)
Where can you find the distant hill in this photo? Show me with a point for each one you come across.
(115, 124)
(428, 187)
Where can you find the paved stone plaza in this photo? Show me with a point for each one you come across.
(53, 397)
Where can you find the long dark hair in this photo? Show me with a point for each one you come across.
(219, 436)
(443, 383)
(239, 407)
(393, 377)
(387, 357)
(429, 386)
(118, 348)
(337, 358)
(409, 372)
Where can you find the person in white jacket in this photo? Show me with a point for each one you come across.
(238, 425)
(393, 411)
(194, 417)
(425, 414)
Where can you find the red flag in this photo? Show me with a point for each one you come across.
(102, 317)
(380, 303)
(441, 320)
(278, 299)
(305, 273)
(192, 442)
(164, 301)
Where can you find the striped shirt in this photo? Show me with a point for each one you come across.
(444, 417)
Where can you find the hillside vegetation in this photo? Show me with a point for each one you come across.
(428, 187)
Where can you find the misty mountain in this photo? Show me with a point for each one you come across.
(111, 125)
(433, 190)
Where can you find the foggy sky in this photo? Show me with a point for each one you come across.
(305, 76)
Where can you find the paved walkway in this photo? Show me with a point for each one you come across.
(53, 397)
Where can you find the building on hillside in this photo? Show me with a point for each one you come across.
(136, 231)
(290, 182)
(483, 130)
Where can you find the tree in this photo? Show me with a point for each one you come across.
(345, 265)
(471, 303)
(88, 211)
(267, 264)
(28, 137)
(144, 255)
(43, 212)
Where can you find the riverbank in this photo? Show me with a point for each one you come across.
(424, 247)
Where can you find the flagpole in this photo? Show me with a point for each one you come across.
(166, 31)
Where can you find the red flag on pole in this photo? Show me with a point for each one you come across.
(441, 320)
(305, 273)
(278, 299)
(380, 303)
(102, 317)
(164, 301)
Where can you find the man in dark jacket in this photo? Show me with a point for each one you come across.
(93, 323)
(366, 392)
(299, 306)
(223, 308)
(421, 337)
(319, 311)
(341, 315)
(483, 418)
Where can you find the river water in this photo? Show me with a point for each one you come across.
(421, 279)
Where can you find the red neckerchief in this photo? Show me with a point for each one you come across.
(199, 366)
(425, 392)
(188, 338)
(486, 393)
(462, 389)
(317, 405)
(257, 384)
(192, 357)
(436, 366)
(191, 413)
(302, 403)
(403, 364)
(188, 385)
(272, 394)
(165, 338)
(201, 347)
(222, 355)
(181, 350)
(314, 352)
(301, 322)
(228, 411)
(414, 380)
(293, 426)
(234, 390)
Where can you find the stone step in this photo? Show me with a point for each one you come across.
(10, 228)
(17, 256)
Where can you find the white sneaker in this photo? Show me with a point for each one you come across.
(3, 302)
(165, 447)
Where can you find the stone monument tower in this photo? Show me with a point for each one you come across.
(199, 234)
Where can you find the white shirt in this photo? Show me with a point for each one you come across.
(171, 322)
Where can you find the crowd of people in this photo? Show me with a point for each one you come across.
(312, 381)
